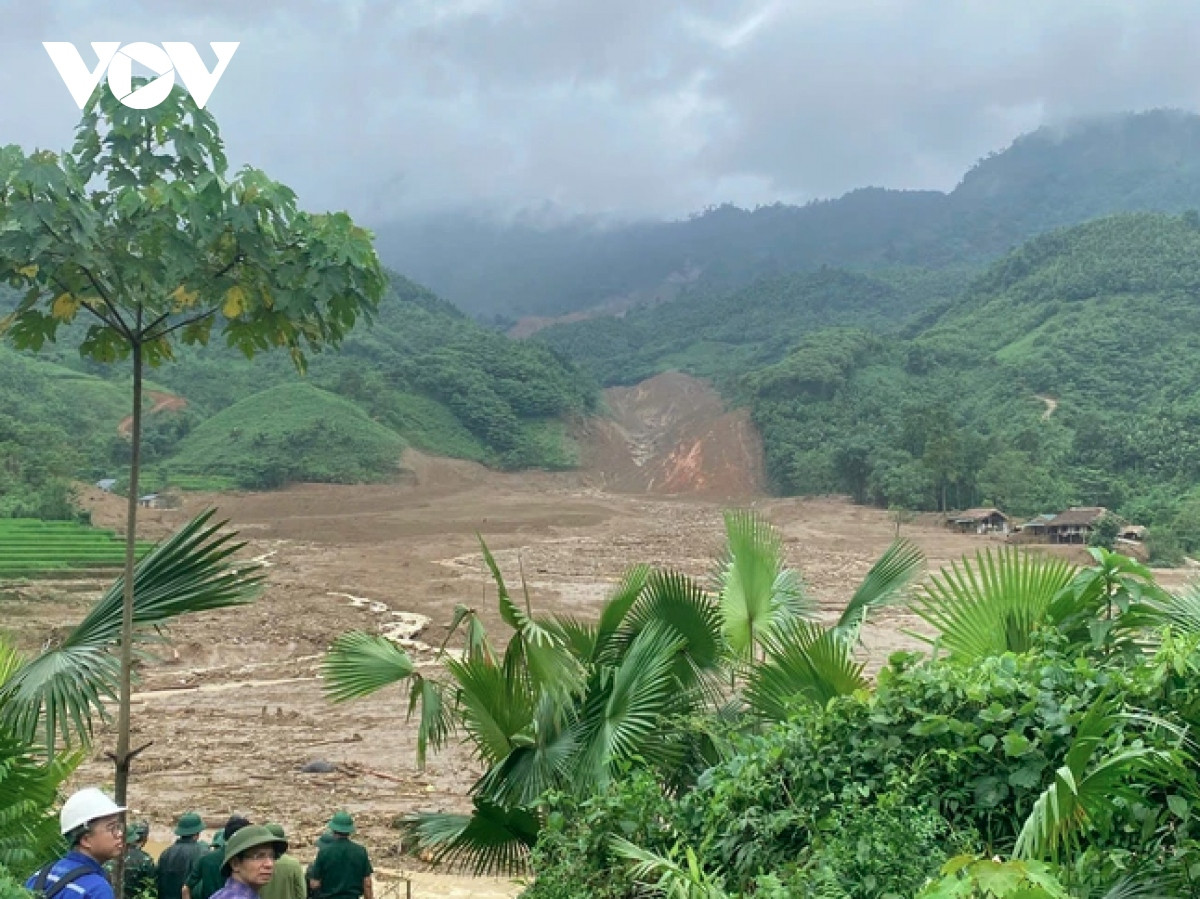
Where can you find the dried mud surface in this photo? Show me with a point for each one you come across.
(233, 708)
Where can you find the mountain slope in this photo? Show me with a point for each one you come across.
(1101, 319)
(423, 372)
(1053, 177)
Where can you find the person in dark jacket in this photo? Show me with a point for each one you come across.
(179, 858)
(342, 869)
(141, 874)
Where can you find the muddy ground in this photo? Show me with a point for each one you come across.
(234, 709)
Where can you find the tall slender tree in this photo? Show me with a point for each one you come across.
(140, 230)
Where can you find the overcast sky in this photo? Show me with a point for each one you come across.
(632, 107)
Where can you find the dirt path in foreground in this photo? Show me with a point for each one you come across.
(234, 707)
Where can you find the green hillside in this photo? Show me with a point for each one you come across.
(289, 433)
(1068, 373)
(721, 335)
(54, 423)
(423, 374)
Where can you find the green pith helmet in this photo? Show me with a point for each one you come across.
(342, 823)
(280, 835)
(218, 840)
(248, 838)
(189, 825)
(137, 830)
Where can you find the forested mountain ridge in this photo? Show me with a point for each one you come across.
(1102, 318)
(1066, 372)
(1053, 177)
(422, 374)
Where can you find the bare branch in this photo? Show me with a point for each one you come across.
(182, 324)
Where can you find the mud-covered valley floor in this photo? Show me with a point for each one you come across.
(233, 708)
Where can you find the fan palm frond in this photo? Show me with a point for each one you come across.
(804, 662)
(359, 664)
(993, 605)
(1088, 786)
(62, 690)
(495, 705)
(622, 712)
(756, 590)
(491, 840)
(885, 583)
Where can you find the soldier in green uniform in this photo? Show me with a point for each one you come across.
(323, 840)
(342, 869)
(141, 874)
(206, 877)
(287, 881)
(177, 860)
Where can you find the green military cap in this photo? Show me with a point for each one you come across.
(218, 840)
(248, 838)
(137, 830)
(188, 825)
(277, 829)
(342, 823)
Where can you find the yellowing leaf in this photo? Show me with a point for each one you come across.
(65, 306)
(29, 271)
(183, 298)
(235, 302)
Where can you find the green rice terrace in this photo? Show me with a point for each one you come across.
(30, 548)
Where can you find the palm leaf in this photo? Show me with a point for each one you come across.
(549, 663)
(663, 875)
(536, 764)
(29, 785)
(992, 606)
(623, 710)
(579, 637)
(755, 589)
(1084, 791)
(1180, 611)
(804, 662)
(358, 664)
(436, 721)
(491, 840)
(617, 606)
(902, 563)
(675, 601)
(495, 704)
(62, 690)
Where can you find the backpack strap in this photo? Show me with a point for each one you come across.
(59, 885)
(39, 883)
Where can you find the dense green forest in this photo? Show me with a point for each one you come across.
(1044, 180)
(423, 374)
(1067, 372)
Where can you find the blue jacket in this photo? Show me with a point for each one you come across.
(93, 885)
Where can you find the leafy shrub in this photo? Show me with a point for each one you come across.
(573, 859)
(10, 887)
(887, 850)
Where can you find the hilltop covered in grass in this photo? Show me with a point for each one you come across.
(293, 432)
(422, 374)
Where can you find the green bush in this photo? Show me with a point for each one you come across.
(10, 887)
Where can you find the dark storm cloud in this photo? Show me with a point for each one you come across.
(623, 106)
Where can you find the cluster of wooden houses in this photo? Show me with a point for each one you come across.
(1072, 525)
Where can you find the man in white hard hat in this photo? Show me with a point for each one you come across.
(95, 831)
